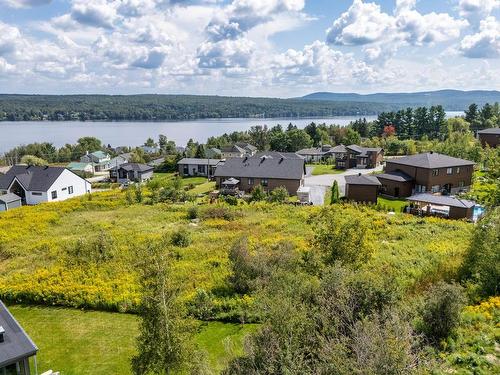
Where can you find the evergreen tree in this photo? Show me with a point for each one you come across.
(335, 193)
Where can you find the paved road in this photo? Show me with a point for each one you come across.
(325, 181)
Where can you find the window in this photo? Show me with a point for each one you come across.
(54, 194)
(250, 181)
(264, 182)
(341, 164)
(201, 169)
(70, 189)
(64, 189)
(449, 170)
(435, 188)
(461, 184)
(435, 172)
(458, 170)
(36, 193)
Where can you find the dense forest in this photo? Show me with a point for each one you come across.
(171, 107)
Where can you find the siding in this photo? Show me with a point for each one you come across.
(291, 185)
(362, 193)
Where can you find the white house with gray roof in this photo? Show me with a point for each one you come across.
(35, 184)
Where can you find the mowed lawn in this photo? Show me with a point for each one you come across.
(90, 342)
(319, 169)
(395, 205)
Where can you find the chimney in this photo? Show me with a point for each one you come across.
(2, 334)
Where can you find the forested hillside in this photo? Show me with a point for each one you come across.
(171, 107)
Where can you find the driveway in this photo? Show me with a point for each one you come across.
(325, 181)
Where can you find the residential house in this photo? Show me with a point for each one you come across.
(100, 160)
(269, 171)
(355, 156)
(156, 162)
(318, 154)
(427, 172)
(16, 347)
(489, 137)
(441, 205)
(238, 150)
(79, 167)
(213, 153)
(362, 188)
(189, 167)
(9, 201)
(120, 160)
(150, 149)
(131, 172)
(43, 184)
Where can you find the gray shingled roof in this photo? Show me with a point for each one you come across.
(363, 151)
(312, 151)
(490, 131)
(199, 161)
(278, 154)
(135, 167)
(32, 178)
(431, 160)
(9, 198)
(262, 167)
(362, 179)
(443, 200)
(339, 149)
(17, 344)
(233, 148)
(395, 176)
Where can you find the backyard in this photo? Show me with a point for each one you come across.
(320, 169)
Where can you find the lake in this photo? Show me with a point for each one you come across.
(134, 133)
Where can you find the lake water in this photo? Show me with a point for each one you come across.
(134, 133)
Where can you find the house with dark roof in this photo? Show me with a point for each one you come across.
(362, 188)
(238, 150)
(16, 347)
(131, 172)
(427, 172)
(34, 184)
(190, 167)
(489, 137)
(354, 156)
(426, 204)
(316, 154)
(269, 171)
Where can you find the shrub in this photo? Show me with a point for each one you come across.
(231, 200)
(335, 193)
(441, 311)
(258, 194)
(202, 306)
(181, 238)
(192, 212)
(219, 212)
(138, 193)
(279, 195)
(129, 196)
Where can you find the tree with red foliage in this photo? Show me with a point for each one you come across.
(389, 130)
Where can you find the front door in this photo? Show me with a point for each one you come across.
(396, 192)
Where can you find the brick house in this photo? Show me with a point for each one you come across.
(362, 188)
(427, 172)
(355, 156)
(489, 137)
(268, 170)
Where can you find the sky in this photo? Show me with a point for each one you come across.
(275, 48)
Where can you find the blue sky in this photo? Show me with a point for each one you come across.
(282, 48)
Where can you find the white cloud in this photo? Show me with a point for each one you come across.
(226, 54)
(24, 3)
(10, 39)
(476, 10)
(365, 23)
(96, 13)
(485, 43)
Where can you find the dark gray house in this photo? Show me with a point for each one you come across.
(190, 167)
(269, 171)
(9, 201)
(131, 172)
(15, 346)
(362, 188)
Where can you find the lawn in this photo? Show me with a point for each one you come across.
(319, 169)
(395, 205)
(90, 342)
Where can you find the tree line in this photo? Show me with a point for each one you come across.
(170, 107)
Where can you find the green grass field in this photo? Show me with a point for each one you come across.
(91, 342)
(395, 205)
(319, 169)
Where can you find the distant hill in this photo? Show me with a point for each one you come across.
(451, 100)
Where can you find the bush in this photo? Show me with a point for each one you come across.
(279, 195)
(202, 306)
(181, 238)
(335, 193)
(219, 212)
(441, 311)
(258, 194)
(138, 193)
(231, 200)
(192, 212)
